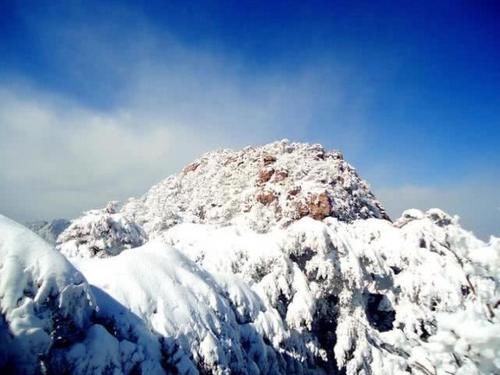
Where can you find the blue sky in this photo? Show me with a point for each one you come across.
(99, 101)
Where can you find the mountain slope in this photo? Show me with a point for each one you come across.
(366, 296)
(52, 322)
(279, 260)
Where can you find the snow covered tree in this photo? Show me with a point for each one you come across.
(100, 233)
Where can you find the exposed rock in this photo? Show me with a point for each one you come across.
(302, 209)
(269, 159)
(266, 197)
(280, 175)
(319, 206)
(191, 167)
(265, 175)
(293, 192)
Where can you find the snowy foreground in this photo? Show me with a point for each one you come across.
(320, 283)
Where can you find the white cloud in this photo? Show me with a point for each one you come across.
(57, 158)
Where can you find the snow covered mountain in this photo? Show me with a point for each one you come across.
(49, 231)
(264, 187)
(270, 260)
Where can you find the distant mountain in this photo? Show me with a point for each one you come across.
(49, 230)
(270, 260)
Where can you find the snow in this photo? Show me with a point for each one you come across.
(184, 304)
(38, 287)
(475, 342)
(262, 186)
(420, 269)
(100, 233)
(51, 320)
(269, 260)
(312, 296)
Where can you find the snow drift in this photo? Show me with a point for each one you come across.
(42, 298)
(269, 260)
(51, 321)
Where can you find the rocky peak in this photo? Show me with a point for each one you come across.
(274, 184)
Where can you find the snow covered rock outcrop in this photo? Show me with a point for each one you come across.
(274, 184)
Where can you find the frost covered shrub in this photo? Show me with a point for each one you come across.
(100, 233)
(466, 342)
(367, 297)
